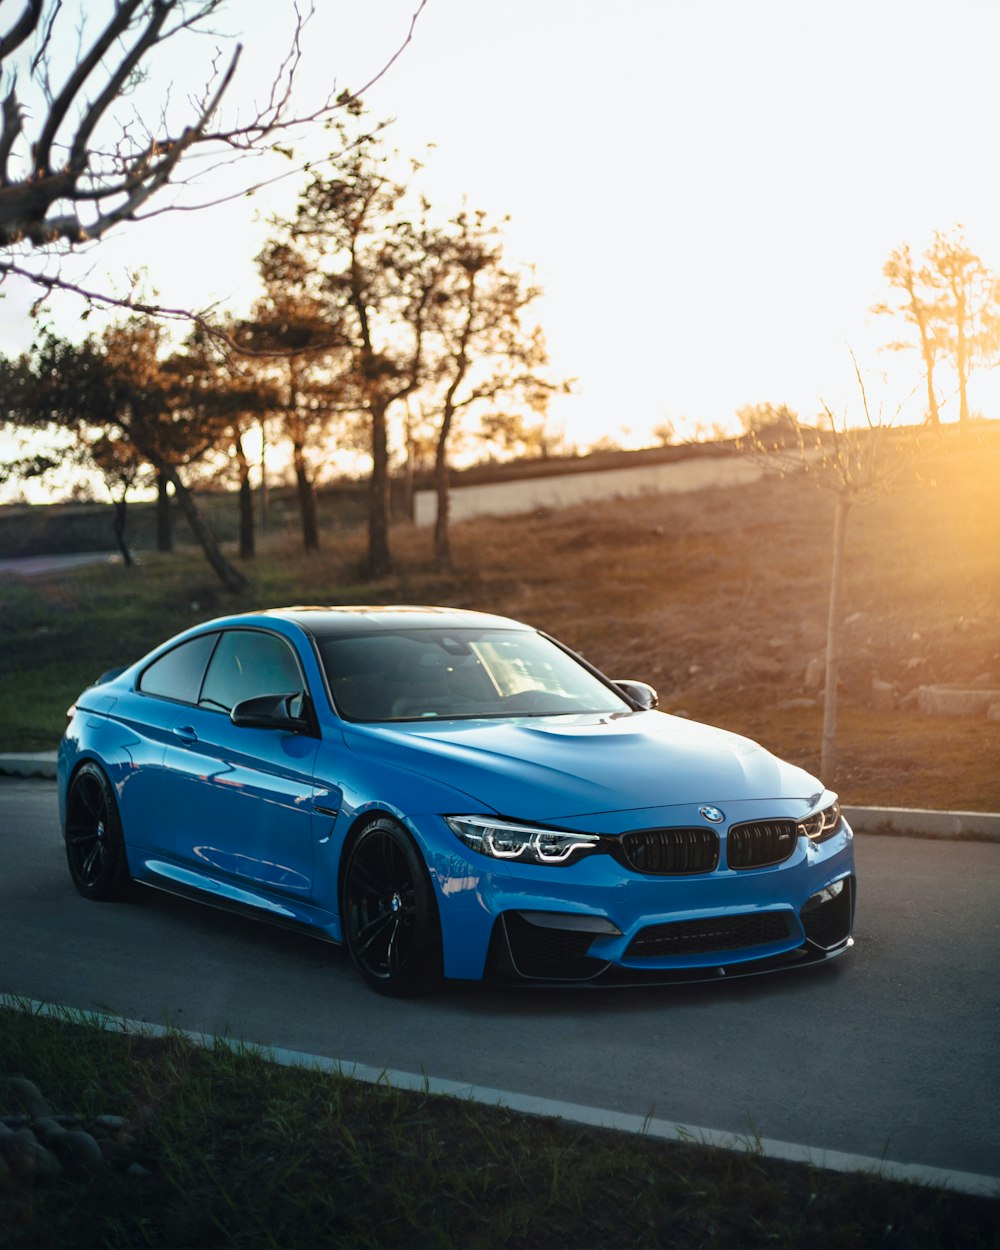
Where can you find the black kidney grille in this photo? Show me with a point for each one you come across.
(703, 937)
(671, 851)
(760, 843)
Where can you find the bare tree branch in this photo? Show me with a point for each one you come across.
(82, 171)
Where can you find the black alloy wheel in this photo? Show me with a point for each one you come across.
(95, 851)
(390, 917)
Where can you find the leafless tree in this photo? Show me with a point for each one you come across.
(856, 462)
(79, 155)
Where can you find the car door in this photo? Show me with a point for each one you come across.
(243, 797)
(146, 716)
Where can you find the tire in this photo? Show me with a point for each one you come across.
(95, 848)
(390, 915)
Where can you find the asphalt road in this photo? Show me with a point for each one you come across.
(891, 1051)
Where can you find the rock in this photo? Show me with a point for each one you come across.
(46, 1128)
(883, 695)
(815, 674)
(111, 1122)
(24, 1095)
(955, 700)
(764, 666)
(79, 1153)
(137, 1171)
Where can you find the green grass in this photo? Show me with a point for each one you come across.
(237, 1151)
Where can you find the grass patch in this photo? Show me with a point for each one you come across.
(234, 1150)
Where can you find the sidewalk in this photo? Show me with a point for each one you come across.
(974, 826)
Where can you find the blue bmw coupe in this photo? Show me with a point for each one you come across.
(449, 794)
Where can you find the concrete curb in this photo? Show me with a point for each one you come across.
(28, 764)
(972, 826)
(979, 1185)
(901, 821)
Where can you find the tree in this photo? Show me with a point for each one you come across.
(953, 301)
(78, 158)
(374, 266)
(113, 397)
(222, 399)
(295, 364)
(479, 350)
(921, 307)
(773, 423)
(968, 305)
(856, 463)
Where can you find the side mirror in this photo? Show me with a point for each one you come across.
(273, 711)
(644, 698)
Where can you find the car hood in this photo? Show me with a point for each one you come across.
(544, 768)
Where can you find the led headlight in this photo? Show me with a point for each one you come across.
(822, 824)
(528, 844)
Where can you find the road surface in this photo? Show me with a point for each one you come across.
(891, 1051)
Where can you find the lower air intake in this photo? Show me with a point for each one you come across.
(551, 954)
(827, 916)
(706, 937)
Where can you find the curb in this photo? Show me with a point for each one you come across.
(903, 821)
(749, 1143)
(28, 764)
(898, 821)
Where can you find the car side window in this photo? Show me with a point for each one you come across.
(178, 674)
(246, 664)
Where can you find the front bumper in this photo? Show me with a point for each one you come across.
(599, 922)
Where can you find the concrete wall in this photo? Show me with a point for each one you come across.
(567, 489)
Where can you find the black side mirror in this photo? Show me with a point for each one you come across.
(274, 711)
(642, 697)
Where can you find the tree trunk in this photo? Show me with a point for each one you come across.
(120, 506)
(379, 557)
(265, 500)
(927, 350)
(828, 751)
(231, 578)
(247, 549)
(307, 500)
(442, 538)
(962, 365)
(408, 484)
(164, 521)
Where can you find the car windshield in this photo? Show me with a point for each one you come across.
(446, 673)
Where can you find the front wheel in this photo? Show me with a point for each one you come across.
(390, 914)
(95, 849)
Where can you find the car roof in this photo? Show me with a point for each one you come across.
(326, 622)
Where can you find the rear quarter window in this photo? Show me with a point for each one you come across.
(178, 674)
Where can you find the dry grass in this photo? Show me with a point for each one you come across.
(718, 598)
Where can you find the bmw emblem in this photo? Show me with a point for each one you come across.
(711, 813)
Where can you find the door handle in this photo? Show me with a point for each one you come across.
(186, 733)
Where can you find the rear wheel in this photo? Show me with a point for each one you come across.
(390, 916)
(95, 849)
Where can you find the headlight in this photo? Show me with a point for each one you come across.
(528, 844)
(822, 824)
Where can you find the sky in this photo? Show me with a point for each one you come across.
(707, 189)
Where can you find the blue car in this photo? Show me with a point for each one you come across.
(450, 795)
